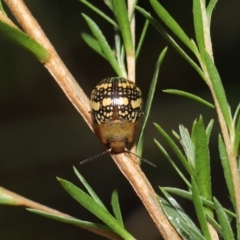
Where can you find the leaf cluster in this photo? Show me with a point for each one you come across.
(193, 154)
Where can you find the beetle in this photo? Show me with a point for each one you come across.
(116, 108)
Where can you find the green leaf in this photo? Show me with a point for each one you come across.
(187, 145)
(179, 219)
(178, 208)
(161, 30)
(2, 9)
(200, 210)
(93, 227)
(219, 91)
(236, 114)
(236, 142)
(224, 222)
(119, 51)
(92, 43)
(193, 234)
(10, 32)
(189, 95)
(86, 201)
(142, 37)
(198, 24)
(104, 45)
(99, 12)
(210, 7)
(89, 189)
(214, 224)
(193, 135)
(188, 195)
(120, 10)
(209, 129)
(176, 135)
(175, 148)
(172, 163)
(116, 207)
(150, 100)
(226, 168)
(202, 160)
(173, 25)
(6, 198)
(109, 4)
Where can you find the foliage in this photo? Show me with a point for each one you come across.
(193, 153)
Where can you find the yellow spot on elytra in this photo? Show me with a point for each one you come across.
(137, 103)
(107, 102)
(95, 105)
(125, 101)
(109, 114)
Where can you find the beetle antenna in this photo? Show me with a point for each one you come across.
(141, 158)
(109, 150)
(96, 156)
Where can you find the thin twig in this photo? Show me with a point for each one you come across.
(22, 201)
(54, 64)
(128, 166)
(144, 190)
(206, 29)
(223, 125)
(231, 157)
(131, 61)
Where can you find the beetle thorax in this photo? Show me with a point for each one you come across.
(116, 135)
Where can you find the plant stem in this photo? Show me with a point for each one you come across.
(54, 64)
(128, 165)
(206, 29)
(132, 171)
(22, 201)
(131, 61)
(222, 122)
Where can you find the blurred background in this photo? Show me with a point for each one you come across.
(42, 135)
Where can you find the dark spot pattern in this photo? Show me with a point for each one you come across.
(116, 99)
